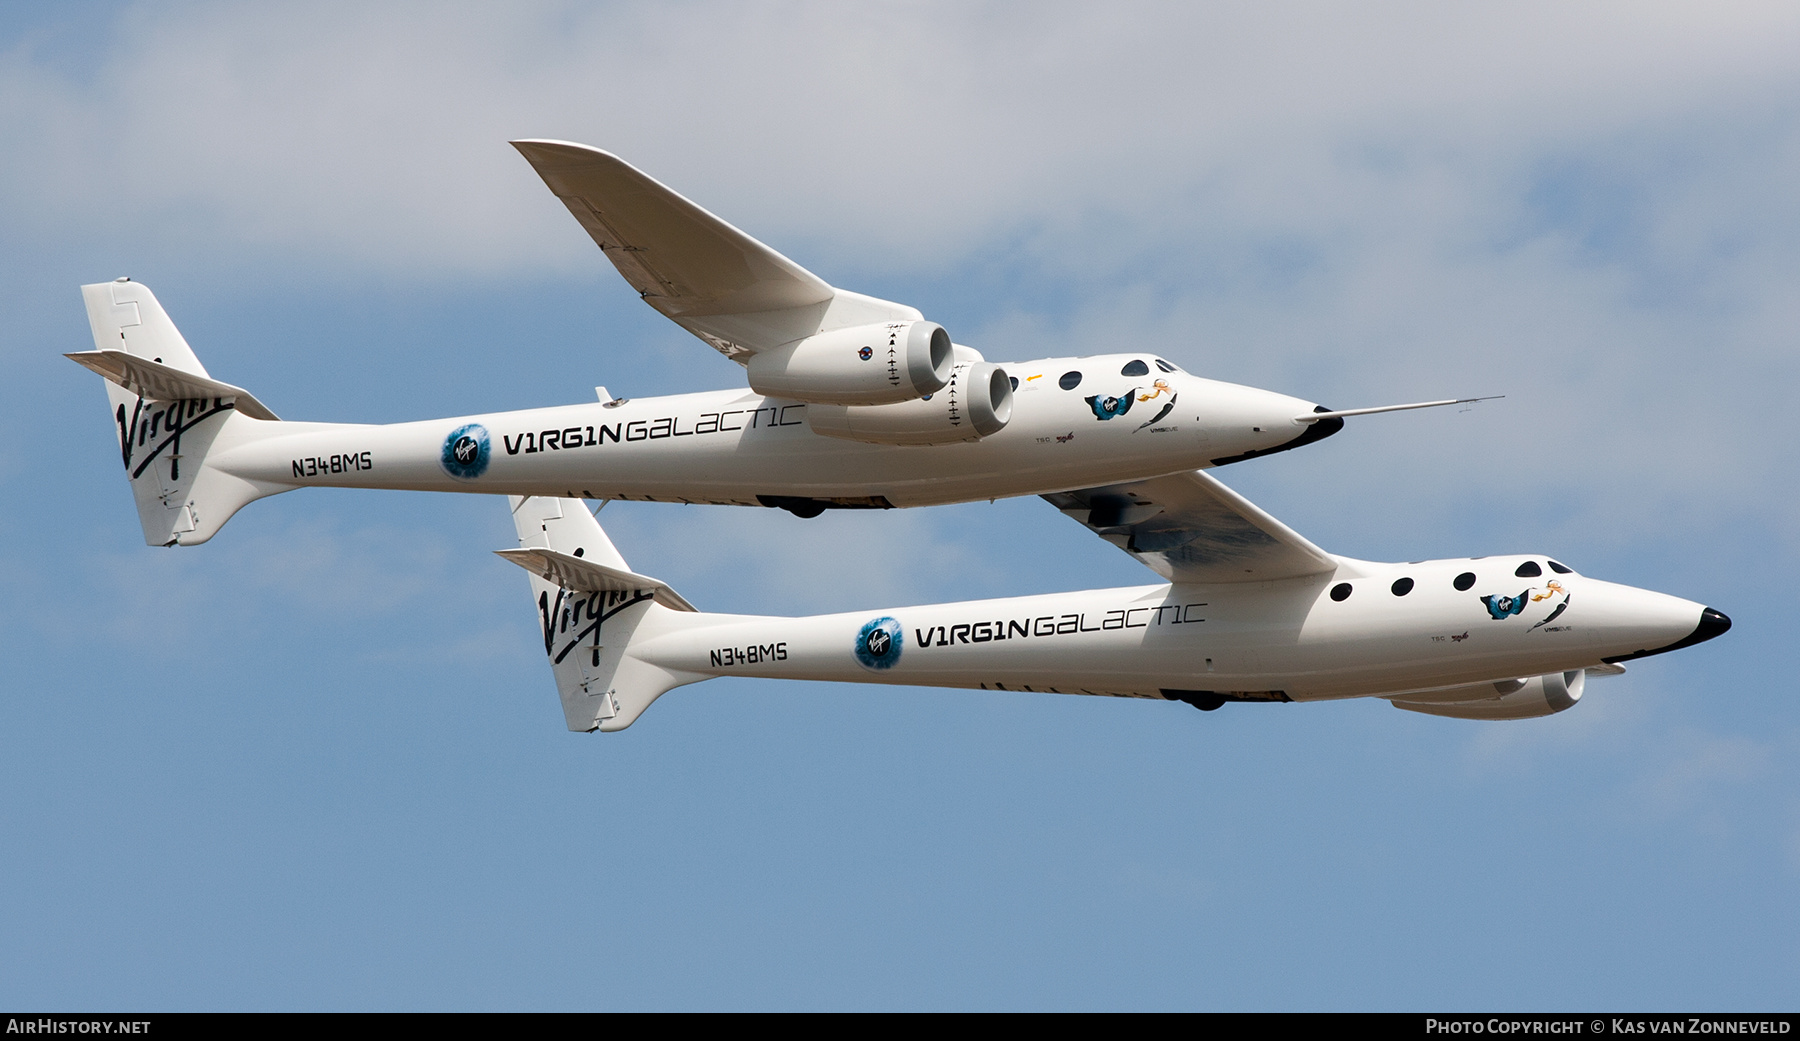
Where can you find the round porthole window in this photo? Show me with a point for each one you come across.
(1069, 381)
(1135, 368)
(1340, 592)
(1464, 581)
(1402, 586)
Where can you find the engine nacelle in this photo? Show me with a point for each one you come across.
(1508, 699)
(862, 365)
(976, 403)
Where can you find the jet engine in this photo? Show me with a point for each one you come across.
(863, 365)
(1507, 699)
(976, 403)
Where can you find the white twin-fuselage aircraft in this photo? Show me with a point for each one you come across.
(856, 402)
(1249, 611)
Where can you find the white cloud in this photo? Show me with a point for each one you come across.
(1587, 209)
(376, 134)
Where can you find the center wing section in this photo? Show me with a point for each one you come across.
(1188, 527)
(708, 277)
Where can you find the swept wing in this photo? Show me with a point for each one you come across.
(1188, 527)
(713, 280)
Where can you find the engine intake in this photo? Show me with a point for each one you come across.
(862, 365)
(976, 403)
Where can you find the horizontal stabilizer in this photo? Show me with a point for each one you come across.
(585, 576)
(159, 382)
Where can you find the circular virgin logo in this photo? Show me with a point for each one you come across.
(466, 451)
(878, 644)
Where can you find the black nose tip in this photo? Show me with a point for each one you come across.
(1712, 623)
(1318, 430)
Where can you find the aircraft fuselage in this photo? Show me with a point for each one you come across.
(1279, 641)
(738, 447)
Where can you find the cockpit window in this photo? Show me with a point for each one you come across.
(1135, 367)
(1529, 569)
(1165, 366)
(1559, 569)
(1069, 381)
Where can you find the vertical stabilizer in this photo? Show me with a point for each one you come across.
(125, 316)
(591, 608)
(168, 415)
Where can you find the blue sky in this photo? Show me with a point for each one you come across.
(318, 762)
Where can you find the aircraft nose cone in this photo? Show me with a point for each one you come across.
(1280, 410)
(1321, 429)
(1712, 623)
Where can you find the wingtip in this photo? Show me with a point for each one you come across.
(95, 362)
(536, 148)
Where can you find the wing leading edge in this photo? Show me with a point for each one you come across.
(1188, 527)
(708, 277)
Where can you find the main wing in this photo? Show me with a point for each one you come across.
(1188, 527)
(708, 277)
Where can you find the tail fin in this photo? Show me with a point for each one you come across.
(169, 414)
(592, 608)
